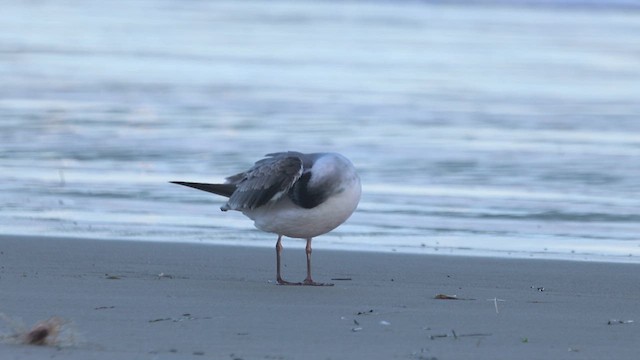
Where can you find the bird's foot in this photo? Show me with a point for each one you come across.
(280, 281)
(306, 282)
(310, 282)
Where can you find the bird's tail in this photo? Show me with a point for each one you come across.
(220, 189)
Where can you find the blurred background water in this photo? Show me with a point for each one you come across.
(503, 128)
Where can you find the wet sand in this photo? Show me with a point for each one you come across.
(146, 300)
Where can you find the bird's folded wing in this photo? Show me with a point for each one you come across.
(268, 180)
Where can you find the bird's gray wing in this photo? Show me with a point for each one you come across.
(268, 180)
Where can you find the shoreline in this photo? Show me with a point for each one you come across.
(130, 299)
(429, 250)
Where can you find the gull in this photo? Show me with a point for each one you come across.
(294, 195)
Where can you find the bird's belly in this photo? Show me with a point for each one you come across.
(285, 218)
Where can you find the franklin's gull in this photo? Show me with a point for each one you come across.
(292, 194)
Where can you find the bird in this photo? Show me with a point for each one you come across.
(292, 194)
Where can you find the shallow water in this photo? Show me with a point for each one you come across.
(495, 130)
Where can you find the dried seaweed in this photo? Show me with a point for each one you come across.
(43, 333)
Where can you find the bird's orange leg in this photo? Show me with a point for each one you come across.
(279, 279)
(309, 280)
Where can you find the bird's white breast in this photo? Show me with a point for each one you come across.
(285, 218)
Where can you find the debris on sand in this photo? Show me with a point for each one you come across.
(43, 333)
(183, 317)
(450, 297)
(457, 336)
(495, 303)
(368, 312)
(446, 297)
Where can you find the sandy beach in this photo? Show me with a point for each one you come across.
(145, 300)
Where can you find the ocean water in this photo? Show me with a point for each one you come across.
(504, 128)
